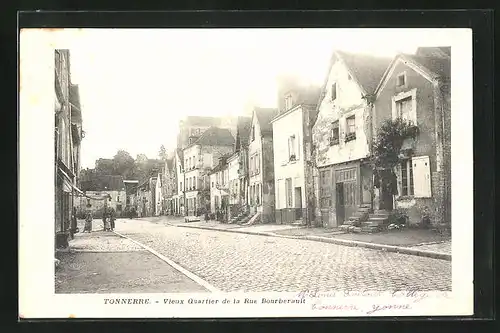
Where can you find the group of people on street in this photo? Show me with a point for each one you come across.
(108, 219)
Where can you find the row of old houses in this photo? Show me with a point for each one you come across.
(68, 135)
(311, 159)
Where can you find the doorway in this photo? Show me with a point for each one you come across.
(298, 203)
(346, 193)
(339, 204)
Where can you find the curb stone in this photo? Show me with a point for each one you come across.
(381, 247)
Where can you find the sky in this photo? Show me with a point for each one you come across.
(135, 85)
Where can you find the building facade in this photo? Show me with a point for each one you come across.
(416, 89)
(219, 187)
(342, 137)
(292, 129)
(241, 148)
(192, 127)
(68, 135)
(200, 158)
(169, 186)
(178, 197)
(261, 165)
(102, 192)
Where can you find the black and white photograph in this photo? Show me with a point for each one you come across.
(247, 172)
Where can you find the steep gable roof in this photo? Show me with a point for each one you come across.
(243, 129)
(180, 155)
(434, 51)
(215, 136)
(430, 67)
(367, 70)
(437, 65)
(264, 117)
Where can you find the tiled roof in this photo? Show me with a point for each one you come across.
(103, 183)
(366, 69)
(222, 164)
(244, 127)
(434, 51)
(264, 117)
(438, 66)
(215, 136)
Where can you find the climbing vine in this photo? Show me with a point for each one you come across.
(388, 142)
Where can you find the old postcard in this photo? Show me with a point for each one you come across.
(220, 173)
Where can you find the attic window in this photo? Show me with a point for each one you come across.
(334, 91)
(401, 80)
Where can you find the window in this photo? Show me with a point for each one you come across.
(257, 199)
(407, 178)
(257, 163)
(181, 186)
(253, 133)
(350, 128)
(404, 108)
(401, 80)
(117, 198)
(288, 102)
(334, 91)
(288, 189)
(194, 182)
(213, 184)
(335, 134)
(292, 154)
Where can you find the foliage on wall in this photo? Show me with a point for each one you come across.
(388, 142)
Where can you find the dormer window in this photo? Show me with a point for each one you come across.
(401, 80)
(334, 91)
(253, 133)
(288, 102)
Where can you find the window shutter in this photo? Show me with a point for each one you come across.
(421, 176)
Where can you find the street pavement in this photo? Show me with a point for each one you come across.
(103, 262)
(251, 263)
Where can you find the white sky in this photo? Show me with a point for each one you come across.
(136, 84)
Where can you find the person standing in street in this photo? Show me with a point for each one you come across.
(112, 218)
(88, 220)
(105, 220)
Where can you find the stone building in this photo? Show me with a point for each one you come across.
(416, 88)
(102, 192)
(192, 127)
(68, 135)
(219, 186)
(200, 157)
(178, 197)
(292, 129)
(244, 127)
(261, 164)
(169, 186)
(342, 137)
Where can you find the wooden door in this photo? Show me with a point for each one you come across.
(339, 203)
(298, 203)
(348, 201)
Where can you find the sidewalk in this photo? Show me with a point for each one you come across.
(103, 262)
(425, 243)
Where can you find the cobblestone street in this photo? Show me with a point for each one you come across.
(252, 263)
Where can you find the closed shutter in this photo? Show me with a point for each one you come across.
(422, 177)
